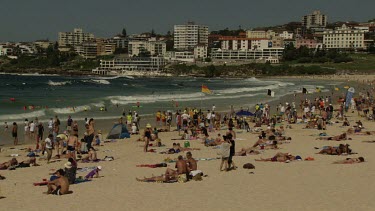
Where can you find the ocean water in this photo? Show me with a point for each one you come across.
(30, 96)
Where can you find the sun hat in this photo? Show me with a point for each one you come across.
(99, 167)
(148, 125)
(68, 165)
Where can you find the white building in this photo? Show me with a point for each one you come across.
(314, 20)
(155, 47)
(261, 44)
(74, 38)
(180, 56)
(200, 52)
(260, 34)
(286, 35)
(258, 54)
(235, 43)
(122, 65)
(344, 38)
(187, 36)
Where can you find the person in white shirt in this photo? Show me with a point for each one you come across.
(32, 129)
(49, 147)
(134, 129)
(50, 126)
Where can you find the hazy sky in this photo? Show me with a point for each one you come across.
(28, 20)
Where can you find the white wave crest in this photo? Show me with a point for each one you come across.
(70, 110)
(252, 89)
(251, 79)
(101, 81)
(52, 83)
(76, 109)
(124, 100)
(23, 115)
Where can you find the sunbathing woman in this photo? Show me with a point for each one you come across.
(350, 161)
(28, 163)
(279, 157)
(249, 151)
(341, 149)
(358, 131)
(11, 163)
(334, 138)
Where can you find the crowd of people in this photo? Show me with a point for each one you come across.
(213, 129)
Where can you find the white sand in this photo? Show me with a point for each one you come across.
(307, 185)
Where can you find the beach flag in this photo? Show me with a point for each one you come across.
(271, 93)
(206, 90)
(304, 90)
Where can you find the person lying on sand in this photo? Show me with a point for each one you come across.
(358, 131)
(279, 157)
(59, 186)
(170, 174)
(350, 161)
(334, 138)
(11, 163)
(249, 151)
(341, 149)
(215, 142)
(27, 163)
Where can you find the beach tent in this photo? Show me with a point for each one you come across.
(119, 131)
(244, 113)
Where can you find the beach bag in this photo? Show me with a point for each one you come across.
(186, 144)
(248, 166)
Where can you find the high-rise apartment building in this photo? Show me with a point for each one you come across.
(74, 38)
(187, 36)
(314, 20)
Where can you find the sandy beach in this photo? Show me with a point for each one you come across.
(308, 185)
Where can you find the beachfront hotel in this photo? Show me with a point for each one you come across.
(344, 38)
(74, 38)
(119, 66)
(189, 35)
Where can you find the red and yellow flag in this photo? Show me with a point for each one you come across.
(206, 90)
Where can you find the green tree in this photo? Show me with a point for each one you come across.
(123, 33)
(153, 34)
(371, 48)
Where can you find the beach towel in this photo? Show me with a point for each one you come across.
(86, 169)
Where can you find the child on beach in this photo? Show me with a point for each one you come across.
(93, 173)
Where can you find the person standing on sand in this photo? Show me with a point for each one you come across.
(14, 133)
(69, 123)
(225, 152)
(90, 133)
(40, 134)
(50, 126)
(147, 136)
(48, 146)
(5, 127)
